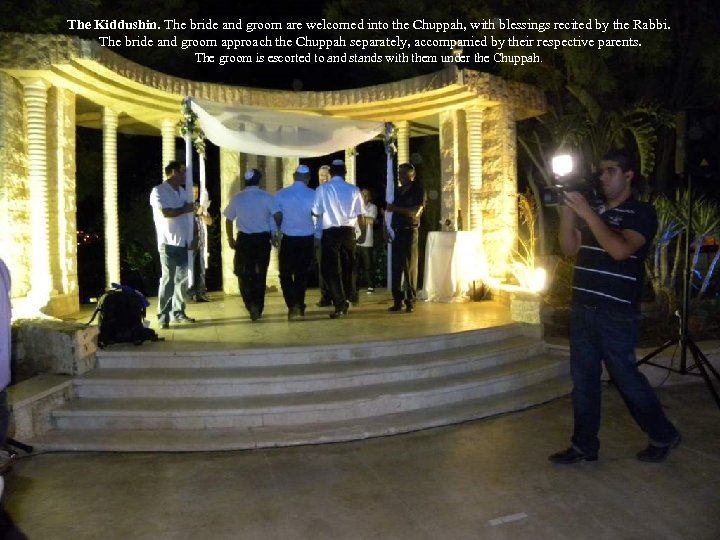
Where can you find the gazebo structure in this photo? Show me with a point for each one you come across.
(51, 84)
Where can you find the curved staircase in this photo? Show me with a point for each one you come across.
(139, 400)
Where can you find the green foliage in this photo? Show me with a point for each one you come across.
(664, 267)
(137, 257)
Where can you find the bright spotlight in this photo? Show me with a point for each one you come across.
(562, 164)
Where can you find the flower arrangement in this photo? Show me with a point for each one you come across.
(189, 125)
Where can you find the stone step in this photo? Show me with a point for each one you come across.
(169, 440)
(155, 355)
(345, 404)
(295, 378)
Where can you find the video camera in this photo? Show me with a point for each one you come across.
(566, 180)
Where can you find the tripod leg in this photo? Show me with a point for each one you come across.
(646, 359)
(704, 358)
(703, 365)
(17, 444)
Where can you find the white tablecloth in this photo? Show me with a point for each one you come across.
(453, 260)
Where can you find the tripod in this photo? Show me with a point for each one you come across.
(684, 341)
(11, 444)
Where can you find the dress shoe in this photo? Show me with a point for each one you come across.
(571, 455)
(202, 298)
(294, 313)
(324, 303)
(396, 308)
(255, 314)
(182, 318)
(657, 454)
(165, 325)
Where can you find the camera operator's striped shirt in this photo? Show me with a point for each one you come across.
(601, 281)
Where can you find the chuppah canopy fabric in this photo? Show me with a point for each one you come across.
(268, 132)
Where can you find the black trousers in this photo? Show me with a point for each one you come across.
(338, 258)
(322, 284)
(366, 266)
(295, 258)
(404, 266)
(252, 257)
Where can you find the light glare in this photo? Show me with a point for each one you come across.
(562, 164)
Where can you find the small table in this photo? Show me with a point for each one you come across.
(453, 261)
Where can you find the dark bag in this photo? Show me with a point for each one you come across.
(121, 312)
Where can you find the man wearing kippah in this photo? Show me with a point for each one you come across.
(252, 211)
(292, 211)
(339, 206)
(406, 209)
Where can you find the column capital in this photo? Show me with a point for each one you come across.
(475, 108)
(36, 83)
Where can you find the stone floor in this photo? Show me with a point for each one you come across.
(485, 479)
(224, 324)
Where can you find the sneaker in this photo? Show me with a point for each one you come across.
(370, 290)
(202, 298)
(570, 456)
(182, 318)
(657, 454)
(324, 303)
(409, 308)
(339, 313)
(396, 308)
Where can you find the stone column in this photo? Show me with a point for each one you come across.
(403, 141)
(35, 95)
(470, 202)
(350, 161)
(110, 197)
(249, 161)
(289, 165)
(61, 200)
(453, 164)
(498, 195)
(168, 129)
(231, 181)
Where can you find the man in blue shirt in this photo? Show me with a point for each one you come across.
(251, 209)
(610, 244)
(292, 211)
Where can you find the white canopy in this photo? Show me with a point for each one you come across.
(268, 132)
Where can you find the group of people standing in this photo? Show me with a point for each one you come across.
(334, 223)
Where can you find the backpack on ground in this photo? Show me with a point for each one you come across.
(121, 316)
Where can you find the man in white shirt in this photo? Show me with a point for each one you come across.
(325, 298)
(252, 211)
(293, 215)
(173, 216)
(339, 206)
(365, 243)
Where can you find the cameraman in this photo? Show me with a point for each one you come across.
(610, 244)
